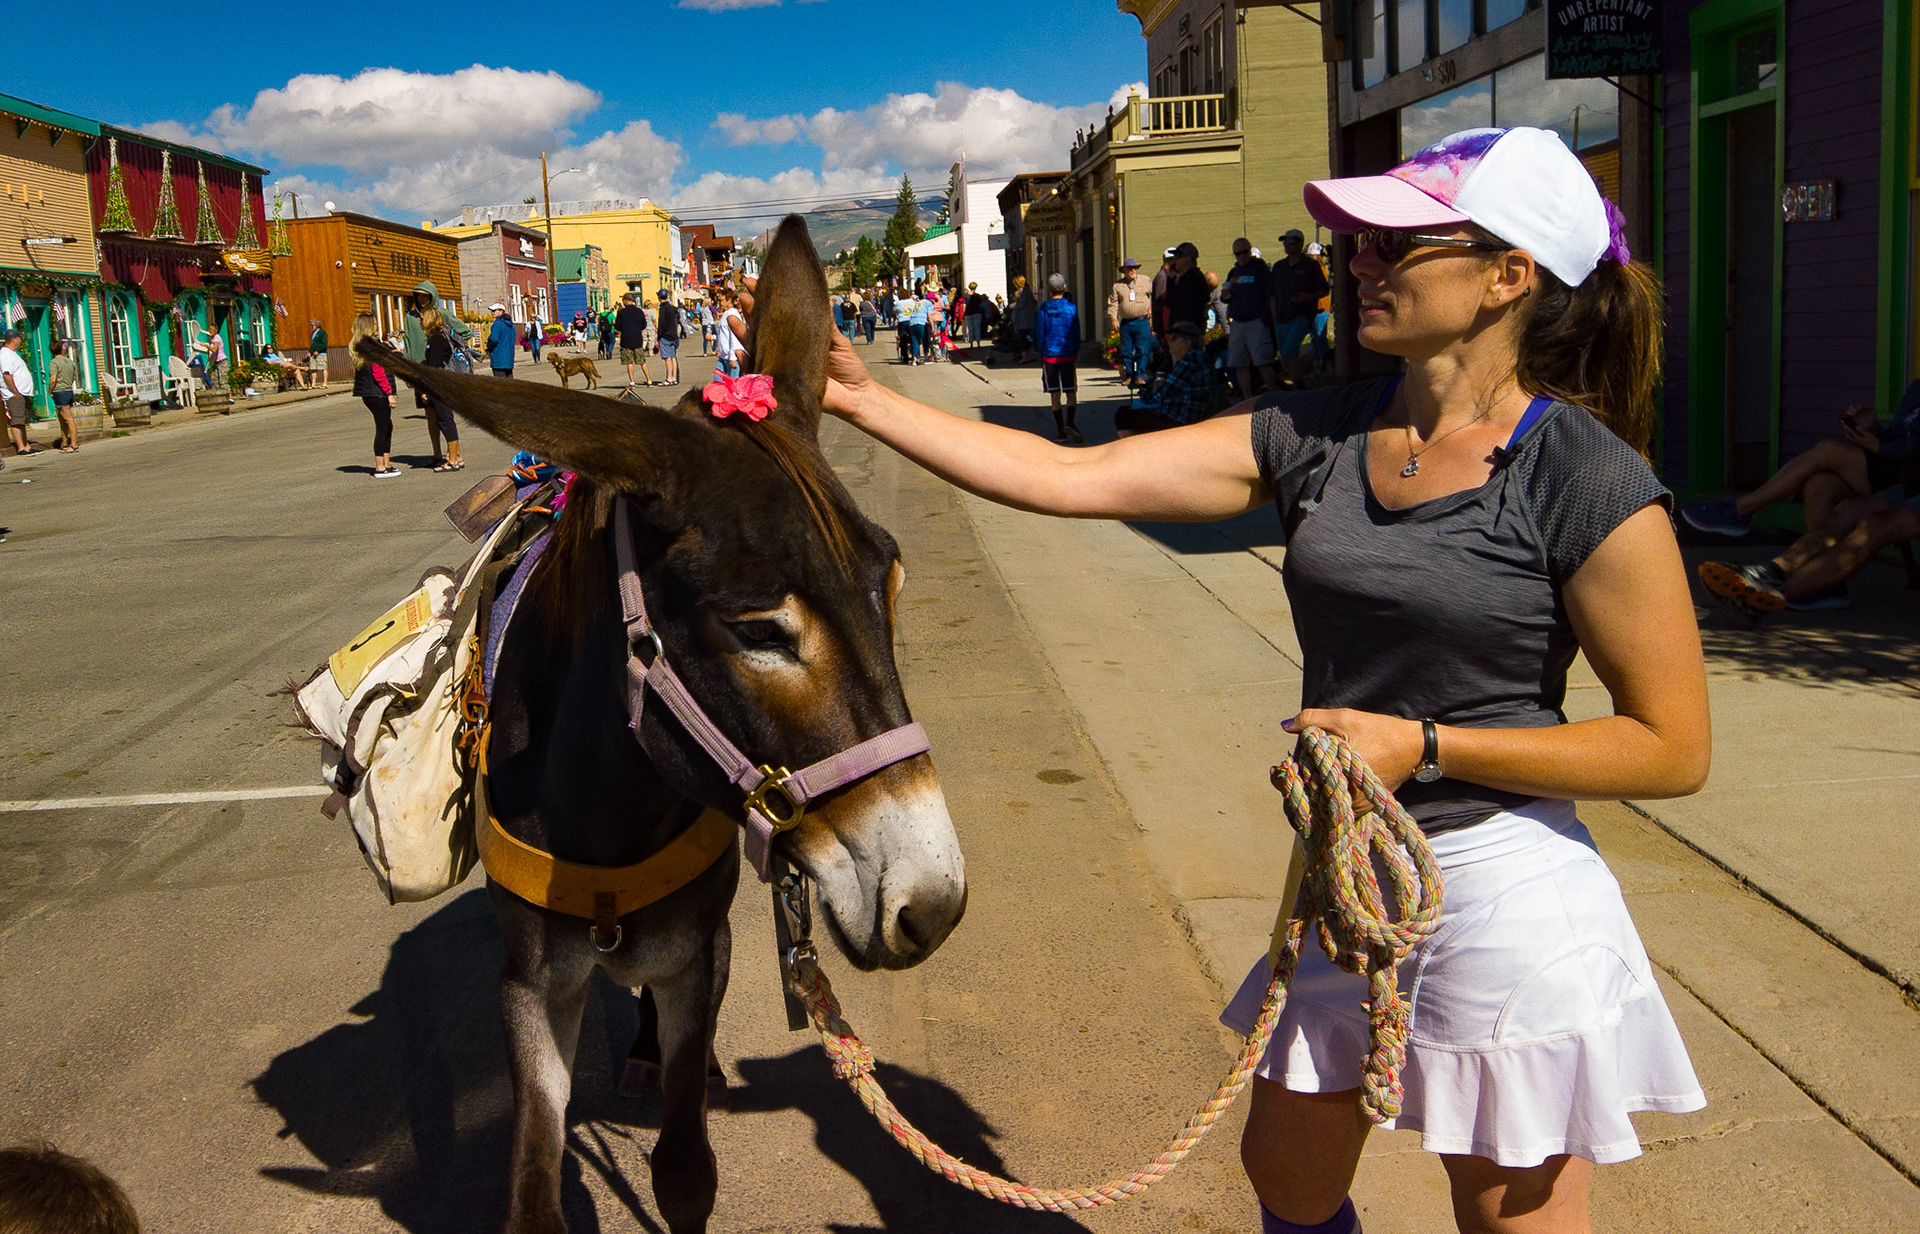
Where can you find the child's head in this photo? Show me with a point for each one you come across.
(366, 325)
(44, 1191)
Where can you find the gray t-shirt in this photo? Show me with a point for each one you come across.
(1449, 609)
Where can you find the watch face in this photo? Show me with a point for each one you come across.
(1428, 773)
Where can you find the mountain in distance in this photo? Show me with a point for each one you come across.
(840, 227)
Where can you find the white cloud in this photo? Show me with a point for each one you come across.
(419, 145)
(382, 117)
(999, 131)
(727, 6)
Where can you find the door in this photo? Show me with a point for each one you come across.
(37, 351)
(1751, 297)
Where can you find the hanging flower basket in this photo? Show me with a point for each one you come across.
(206, 227)
(281, 246)
(118, 217)
(248, 236)
(166, 217)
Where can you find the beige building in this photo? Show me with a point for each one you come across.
(49, 255)
(639, 239)
(1234, 124)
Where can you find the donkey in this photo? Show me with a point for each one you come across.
(773, 598)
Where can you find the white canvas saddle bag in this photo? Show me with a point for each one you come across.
(394, 714)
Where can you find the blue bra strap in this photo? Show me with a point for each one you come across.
(1529, 418)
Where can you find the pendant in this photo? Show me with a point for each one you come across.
(1412, 468)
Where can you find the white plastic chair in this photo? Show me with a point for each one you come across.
(117, 392)
(179, 382)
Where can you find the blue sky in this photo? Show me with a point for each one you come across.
(694, 107)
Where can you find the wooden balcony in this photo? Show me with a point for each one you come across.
(1144, 119)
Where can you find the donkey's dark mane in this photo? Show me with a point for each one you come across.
(573, 579)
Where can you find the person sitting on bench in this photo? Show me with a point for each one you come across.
(1866, 460)
(1183, 396)
(1812, 573)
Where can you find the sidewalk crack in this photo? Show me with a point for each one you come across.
(1886, 1152)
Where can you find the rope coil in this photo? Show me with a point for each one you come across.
(1351, 827)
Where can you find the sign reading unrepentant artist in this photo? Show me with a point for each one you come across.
(1602, 38)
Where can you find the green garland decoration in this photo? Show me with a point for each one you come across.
(166, 217)
(247, 237)
(119, 212)
(206, 228)
(281, 246)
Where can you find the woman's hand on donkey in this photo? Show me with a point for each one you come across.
(849, 384)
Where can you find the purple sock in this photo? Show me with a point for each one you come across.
(1346, 1221)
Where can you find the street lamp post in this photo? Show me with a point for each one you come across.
(546, 201)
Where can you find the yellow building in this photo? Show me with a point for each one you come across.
(1234, 126)
(640, 240)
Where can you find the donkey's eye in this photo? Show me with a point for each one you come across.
(762, 635)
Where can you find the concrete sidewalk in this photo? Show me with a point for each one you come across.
(1175, 645)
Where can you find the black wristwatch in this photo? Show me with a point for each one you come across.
(1429, 769)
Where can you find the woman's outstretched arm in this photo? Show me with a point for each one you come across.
(1193, 474)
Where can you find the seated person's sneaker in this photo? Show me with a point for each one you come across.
(1718, 517)
(1822, 598)
(1750, 592)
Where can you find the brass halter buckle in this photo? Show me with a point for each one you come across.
(775, 801)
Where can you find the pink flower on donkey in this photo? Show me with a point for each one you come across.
(751, 395)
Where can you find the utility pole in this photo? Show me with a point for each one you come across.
(546, 198)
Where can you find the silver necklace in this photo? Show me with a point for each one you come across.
(1412, 468)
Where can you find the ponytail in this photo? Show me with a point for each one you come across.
(1598, 346)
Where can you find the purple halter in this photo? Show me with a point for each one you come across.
(776, 798)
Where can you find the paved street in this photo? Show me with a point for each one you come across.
(212, 1000)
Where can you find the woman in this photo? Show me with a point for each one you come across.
(918, 322)
(62, 373)
(729, 334)
(869, 316)
(373, 385)
(938, 313)
(1454, 536)
(1026, 309)
(439, 353)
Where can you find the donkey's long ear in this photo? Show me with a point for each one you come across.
(792, 324)
(617, 444)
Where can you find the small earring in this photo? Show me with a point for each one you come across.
(1526, 293)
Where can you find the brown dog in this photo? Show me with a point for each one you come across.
(567, 366)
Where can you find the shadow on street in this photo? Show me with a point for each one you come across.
(410, 1105)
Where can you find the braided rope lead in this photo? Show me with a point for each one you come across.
(1347, 822)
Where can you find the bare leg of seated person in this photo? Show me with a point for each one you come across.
(1847, 541)
(1830, 470)
(1825, 557)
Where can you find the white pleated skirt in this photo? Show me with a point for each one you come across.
(1536, 1023)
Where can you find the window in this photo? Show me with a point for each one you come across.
(1500, 12)
(1756, 61)
(1584, 112)
(1410, 39)
(1463, 107)
(120, 349)
(1369, 43)
(1213, 56)
(1456, 24)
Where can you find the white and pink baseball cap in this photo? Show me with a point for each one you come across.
(1521, 184)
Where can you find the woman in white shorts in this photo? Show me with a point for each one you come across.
(1455, 535)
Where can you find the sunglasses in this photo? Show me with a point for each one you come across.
(1393, 245)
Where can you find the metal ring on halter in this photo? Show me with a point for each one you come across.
(659, 648)
(783, 810)
(593, 936)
